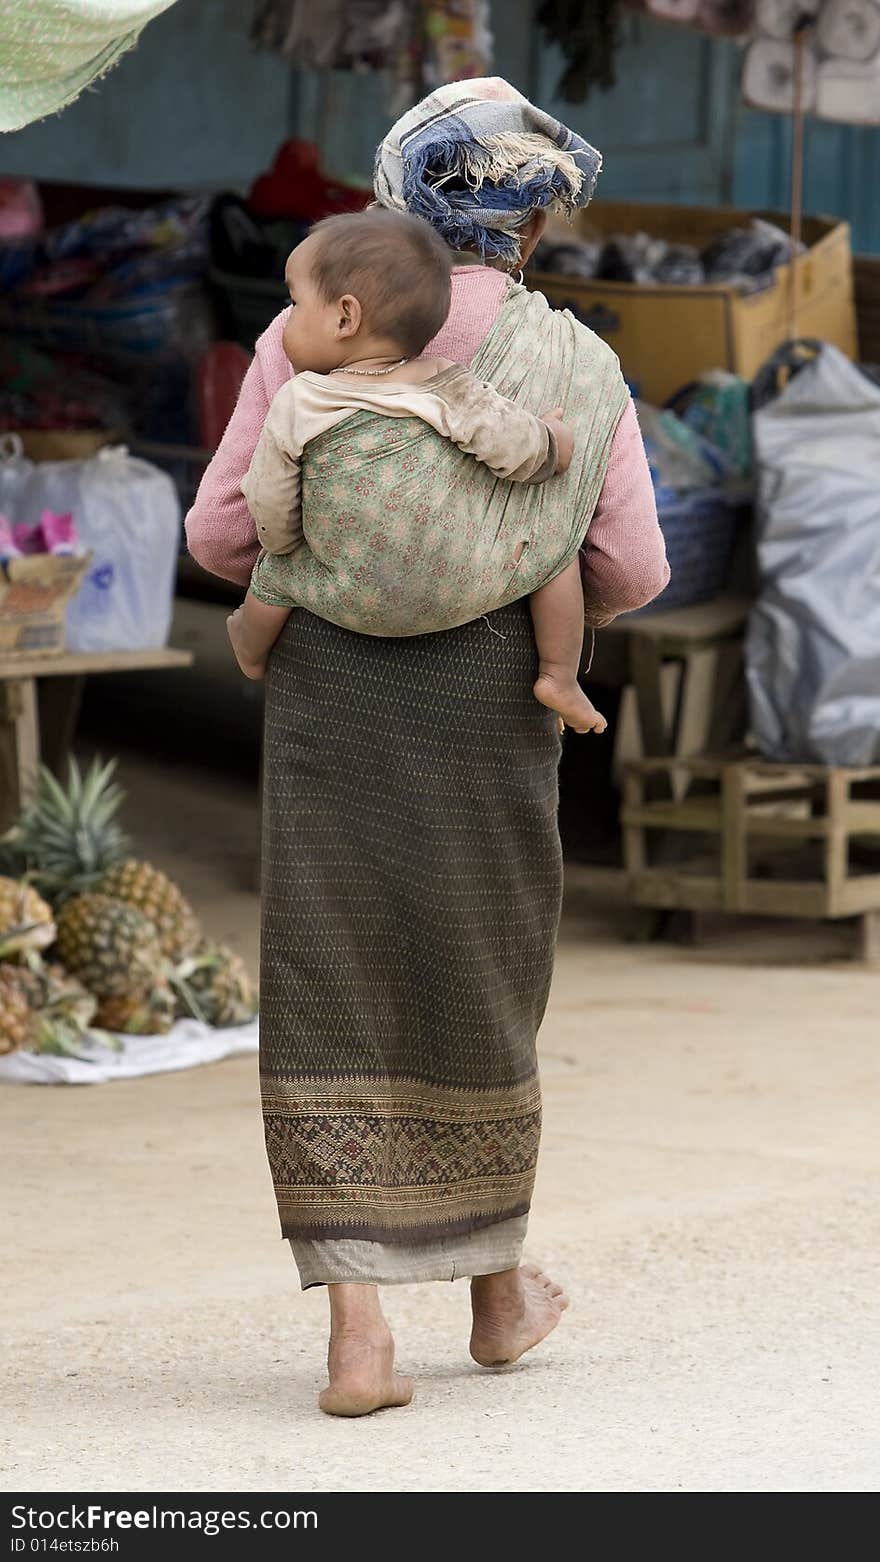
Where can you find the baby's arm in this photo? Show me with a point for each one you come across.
(272, 484)
(513, 443)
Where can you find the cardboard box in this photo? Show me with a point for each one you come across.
(34, 592)
(666, 336)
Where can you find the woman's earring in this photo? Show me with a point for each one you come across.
(517, 277)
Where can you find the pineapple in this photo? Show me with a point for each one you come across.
(151, 1014)
(16, 1014)
(214, 986)
(70, 842)
(68, 837)
(109, 945)
(60, 1009)
(50, 987)
(25, 919)
(141, 885)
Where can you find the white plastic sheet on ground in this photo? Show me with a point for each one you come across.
(186, 1045)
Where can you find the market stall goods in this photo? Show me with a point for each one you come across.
(49, 987)
(25, 919)
(151, 1013)
(69, 840)
(817, 57)
(813, 642)
(68, 836)
(44, 1008)
(134, 957)
(214, 986)
(151, 891)
(415, 44)
(16, 1015)
(110, 946)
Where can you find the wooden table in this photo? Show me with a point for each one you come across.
(635, 648)
(19, 710)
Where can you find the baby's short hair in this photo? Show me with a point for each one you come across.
(394, 264)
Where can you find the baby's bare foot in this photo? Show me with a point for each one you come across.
(362, 1377)
(512, 1312)
(251, 666)
(569, 701)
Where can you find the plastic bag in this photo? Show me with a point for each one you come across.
(813, 644)
(680, 459)
(127, 514)
(717, 407)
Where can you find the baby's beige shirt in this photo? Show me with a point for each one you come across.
(464, 409)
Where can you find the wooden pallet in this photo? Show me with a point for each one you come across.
(759, 819)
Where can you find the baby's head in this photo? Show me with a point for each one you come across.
(365, 285)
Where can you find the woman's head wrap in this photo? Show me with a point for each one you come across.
(476, 158)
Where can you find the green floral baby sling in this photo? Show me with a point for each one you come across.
(406, 535)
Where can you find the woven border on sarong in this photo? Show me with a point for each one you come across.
(399, 1160)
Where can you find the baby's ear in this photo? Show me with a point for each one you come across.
(350, 317)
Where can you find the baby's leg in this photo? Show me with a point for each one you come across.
(558, 617)
(253, 629)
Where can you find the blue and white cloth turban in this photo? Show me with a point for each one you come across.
(475, 158)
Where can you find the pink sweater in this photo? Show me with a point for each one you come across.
(624, 559)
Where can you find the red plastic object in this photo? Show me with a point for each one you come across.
(220, 377)
(296, 188)
(21, 210)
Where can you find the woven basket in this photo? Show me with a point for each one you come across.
(699, 531)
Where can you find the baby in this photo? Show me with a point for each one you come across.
(369, 291)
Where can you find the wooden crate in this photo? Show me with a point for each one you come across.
(803, 817)
(667, 336)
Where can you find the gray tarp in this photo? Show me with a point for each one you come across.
(813, 644)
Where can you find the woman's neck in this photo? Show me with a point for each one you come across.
(469, 257)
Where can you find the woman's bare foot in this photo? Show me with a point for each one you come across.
(512, 1312)
(569, 702)
(251, 666)
(360, 1360)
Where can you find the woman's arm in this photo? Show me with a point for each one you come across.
(219, 530)
(623, 558)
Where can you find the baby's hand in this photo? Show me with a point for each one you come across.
(564, 437)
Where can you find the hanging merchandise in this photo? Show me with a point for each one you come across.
(54, 49)
(849, 29)
(813, 645)
(312, 35)
(588, 36)
(768, 80)
(718, 18)
(840, 79)
(419, 44)
(779, 18)
(458, 41)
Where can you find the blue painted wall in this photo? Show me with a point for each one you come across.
(196, 106)
(841, 170)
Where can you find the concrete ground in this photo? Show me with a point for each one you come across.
(708, 1193)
